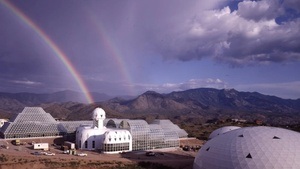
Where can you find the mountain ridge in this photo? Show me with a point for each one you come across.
(200, 103)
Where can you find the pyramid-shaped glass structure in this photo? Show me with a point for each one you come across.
(35, 122)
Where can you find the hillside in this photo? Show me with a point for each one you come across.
(17, 101)
(206, 103)
(195, 105)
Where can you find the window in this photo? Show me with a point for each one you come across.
(249, 156)
(93, 144)
(116, 147)
(86, 144)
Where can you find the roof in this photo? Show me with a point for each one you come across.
(35, 122)
(168, 125)
(222, 130)
(251, 148)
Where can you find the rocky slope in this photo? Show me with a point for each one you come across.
(192, 105)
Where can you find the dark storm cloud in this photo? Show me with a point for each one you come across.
(293, 4)
(248, 35)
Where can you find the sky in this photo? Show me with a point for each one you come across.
(127, 47)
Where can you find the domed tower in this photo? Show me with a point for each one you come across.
(98, 118)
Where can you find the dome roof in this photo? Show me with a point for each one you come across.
(251, 148)
(98, 113)
(222, 130)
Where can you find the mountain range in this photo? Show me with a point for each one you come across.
(195, 104)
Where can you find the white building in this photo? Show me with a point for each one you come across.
(251, 148)
(2, 121)
(98, 137)
(117, 141)
(41, 146)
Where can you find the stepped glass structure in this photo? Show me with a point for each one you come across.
(35, 122)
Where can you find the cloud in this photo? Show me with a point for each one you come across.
(264, 10)
(26, 82)
(240, 37)
(294, 4)
(190, 84)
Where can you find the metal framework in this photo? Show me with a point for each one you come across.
(169, 126)
(113, 123)
(151, 136)
(35, 122)
(71, 126)
(140, 133)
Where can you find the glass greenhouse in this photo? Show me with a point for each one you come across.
(35, 122)
(160, 134)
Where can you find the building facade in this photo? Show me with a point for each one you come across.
(121, 135)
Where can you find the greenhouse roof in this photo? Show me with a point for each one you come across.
(35, 122)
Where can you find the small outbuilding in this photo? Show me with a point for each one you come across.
(41, 146)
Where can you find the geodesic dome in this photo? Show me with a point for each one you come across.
(251, 148)
(222, 130)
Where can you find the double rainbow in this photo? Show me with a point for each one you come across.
(56, 50)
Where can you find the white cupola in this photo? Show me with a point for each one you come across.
(98, 118)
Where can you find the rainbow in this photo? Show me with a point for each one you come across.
(114, 52)
(56, 50)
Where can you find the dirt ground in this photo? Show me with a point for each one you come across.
(20, 157)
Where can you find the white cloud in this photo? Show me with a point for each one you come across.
(190, 84)
(259, 10)
(26, 82)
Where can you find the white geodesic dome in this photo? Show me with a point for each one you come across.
(251, 148)
(222, 130)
